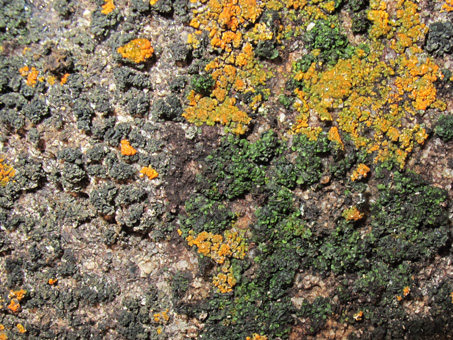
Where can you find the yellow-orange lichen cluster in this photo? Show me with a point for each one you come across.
(15, 298)
(236, 69)
(137, 50)
(359, 173)
(127, 149)
(6, 173)
(334, 136)
(208, 110)
(372, 93)
(352, 214)
(108, 7)
(448, 6)
(31, 74)
(162, 317)
(358, 316)
(221, 248)
(149, 172)
(21, 328)
(256, 336)
(406, 291)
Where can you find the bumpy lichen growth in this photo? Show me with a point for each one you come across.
(149, 172)
(108, 7)
(137, 50)
(256, 336)
(127, 149)
(31, 74)
(368, 92)
(352, 214)
(448, 6)
(236, 70)
(221, 249)
(6, 173)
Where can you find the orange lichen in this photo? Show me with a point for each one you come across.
(406, 291)
(335, 136)
(148, 172)
(236, 69)
(361, 172)
(162, 317)
(448, 6)
(352, 214)
(379, 18)
(31, 74)
(21, 328)
(18, 294)
(137, 50)
(108, 7)
(358, 316)
(52, 281)
(369, 96)
(127, 149)
(14, 306)
(221, 249)
(6, 173)
(225, 281)
(208, 110)
(24, 71)
(256, 336)
(64, 79)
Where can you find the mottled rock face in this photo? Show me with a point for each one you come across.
(226, 169)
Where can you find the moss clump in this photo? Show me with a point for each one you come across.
(202, 83)
(326, 37)
(444, 127)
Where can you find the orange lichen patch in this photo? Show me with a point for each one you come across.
(225, 281)
(451, 295)
(6, 173)
(335, 136)
(14, 306)
(127, 149)
(406, 291)
(17, 294)
(24, 71)
(447, 6)
(256, 336)
(108, 7)
(379, 18)
(368, 96)
(148, 172)
(21, 328)
(153, 2)
(209, 111)
(296, 4)
(137, 50)
(31, 74)
(358, 316)
(64, 79)
(51, 80)
(52, 281)
(361, 172)
(221, 248)
(352, 214)
(162, 317)
(218, 247)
